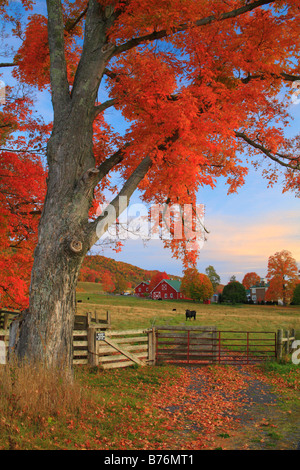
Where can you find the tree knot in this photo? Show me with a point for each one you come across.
(76, 246)
(107, 48)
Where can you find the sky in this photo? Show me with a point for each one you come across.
(244, 228)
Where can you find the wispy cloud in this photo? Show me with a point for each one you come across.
(236, 245)
(241, 244)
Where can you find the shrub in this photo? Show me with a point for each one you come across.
(296, 295)
(234, 292)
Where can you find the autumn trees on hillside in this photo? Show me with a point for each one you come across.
(198, 83)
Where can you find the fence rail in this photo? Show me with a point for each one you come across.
(246, 347)
(96, 344)
(207, 345)
(284, 342)
(116, 349)
(183, 344)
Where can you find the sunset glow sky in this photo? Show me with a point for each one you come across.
(245, 229)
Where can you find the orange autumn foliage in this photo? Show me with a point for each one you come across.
(250, 279)
(156, 278)
(197, 83)
(196, 286)
(283, 276)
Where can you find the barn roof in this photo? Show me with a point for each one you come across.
(174, 284)
(142, 282)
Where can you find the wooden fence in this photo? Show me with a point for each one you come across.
(285, 340)
(96, 344)
(115, 349)
(6, 316)
(85, 326)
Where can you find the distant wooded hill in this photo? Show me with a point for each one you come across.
(110, 272)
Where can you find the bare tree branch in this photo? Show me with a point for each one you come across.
(183, 27)
(277, 157)
(103, 106)
(93, 176)
(58, 66)
(98, 227)
(8, 64)
(285, 76)
(71, 24)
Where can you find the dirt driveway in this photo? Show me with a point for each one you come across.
(237, 408)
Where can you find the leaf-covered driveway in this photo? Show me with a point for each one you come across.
(234, 408)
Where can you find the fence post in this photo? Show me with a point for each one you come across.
(215, 345)
(151, 346)
(247, 347)
(287, 341)
(292, 334)
(292, 338)
(279, 344)
(92, 352)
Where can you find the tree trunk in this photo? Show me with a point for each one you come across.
(44, 331)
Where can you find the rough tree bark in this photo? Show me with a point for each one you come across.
(44, 331)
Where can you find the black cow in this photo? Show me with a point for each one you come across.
(190, 314)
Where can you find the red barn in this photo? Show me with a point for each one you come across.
(167, 289)
(141, 289)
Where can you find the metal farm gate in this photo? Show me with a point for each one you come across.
(186, 344)
(207, 345)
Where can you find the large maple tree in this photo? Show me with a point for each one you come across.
(198, 83)
(283, 276)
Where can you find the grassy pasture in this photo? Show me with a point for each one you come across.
(130, 408)
(132, 312)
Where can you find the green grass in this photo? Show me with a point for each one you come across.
(116, 409)
(90, 287)
(133, 312)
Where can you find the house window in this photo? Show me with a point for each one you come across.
(139, 289)
(166, 296)
(171, 295)
(146, 289)
(253, 291)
